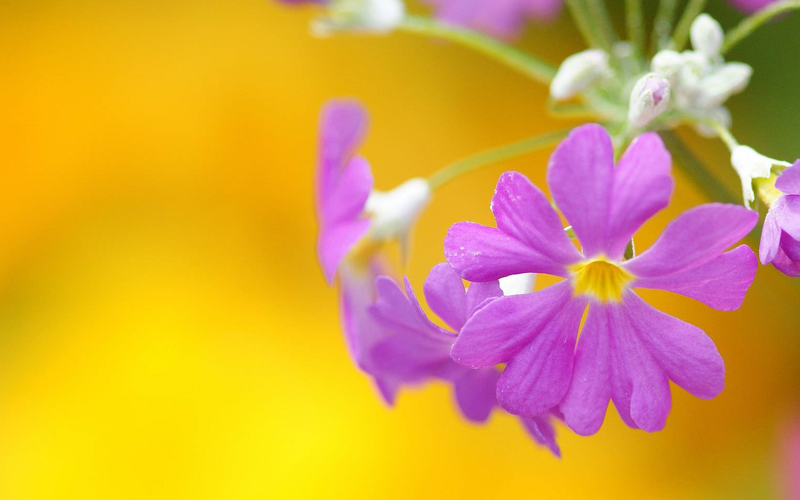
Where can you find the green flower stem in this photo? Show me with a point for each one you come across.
(662, 25)
(602, 23)
(580, 15)
(526, 64)
(492, 156)
(749, 25)
(681, 35)
(634, 20)
(695, 169)
(723, 132)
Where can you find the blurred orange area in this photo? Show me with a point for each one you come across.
(165, 331)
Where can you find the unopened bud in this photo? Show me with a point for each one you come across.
(707, 35)
(578, 72)
(649, 98)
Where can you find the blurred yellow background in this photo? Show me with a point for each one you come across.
(165, 331)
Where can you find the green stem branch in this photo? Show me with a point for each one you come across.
(681, 35)
(602, 23)
(634, 20)
(662, 25)
(580, 15)
(526, 64)
(752, 23)
(492, 156)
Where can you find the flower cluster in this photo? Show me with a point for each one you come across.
(564, 352)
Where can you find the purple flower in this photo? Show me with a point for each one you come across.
(628, 351)
(780, 238)
(361, 331)
(420, 350)
(751, 6)
(501, 18)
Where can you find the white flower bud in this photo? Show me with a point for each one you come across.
(373, 16)
(707, 35)
(578, 72)
(518, 284)
(649, 98)
(394, 212)
(667, 63)
(725, 81)
(750, 164)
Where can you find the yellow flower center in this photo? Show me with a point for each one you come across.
(600, 278)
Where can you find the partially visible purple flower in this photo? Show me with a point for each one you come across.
(354, 220)
(500, 18)
(751, 6)
(780, 238)
(419, 350)
(628, 351)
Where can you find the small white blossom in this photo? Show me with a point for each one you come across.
(649, 98)
(700, 80)
(373, 16)
(578, 72)
(750, 164)
(394, 212)
(706, 35)
(518, 284)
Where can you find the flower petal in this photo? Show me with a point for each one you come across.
(523, 212)
(641, 389)
(538, 376)
(542, 431)
(343, 124)
(347, 194)
(497, 332)
(790, 246)
(445, 294)
(784, 264)
(402, 314)
(480, 253)
(685, 353)
(642, 187)
(335, 242)
(789, 180)
(770, 238)
(480, 293)
(475, 393)
(581, 176)
(787, 214)
(720, 283)
(585, 404)
(694, 238)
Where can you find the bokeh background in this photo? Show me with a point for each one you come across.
(165, 331)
